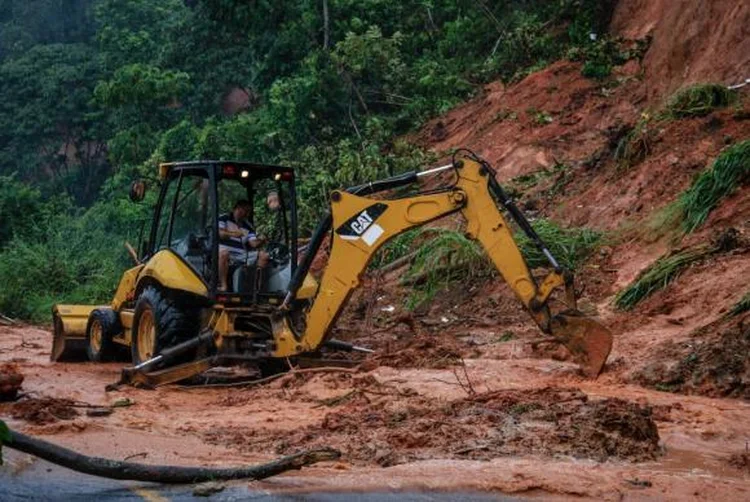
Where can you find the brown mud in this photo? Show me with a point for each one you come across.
(510, 422)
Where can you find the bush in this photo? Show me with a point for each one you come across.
(569, 246)
(74, 258)
(446, 257)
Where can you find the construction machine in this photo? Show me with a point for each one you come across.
(176, 321)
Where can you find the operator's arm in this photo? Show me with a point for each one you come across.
(228, 234)
(249, 238)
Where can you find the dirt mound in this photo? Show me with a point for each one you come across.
(551, 118)
(422, 351)
(741, 461)
(373, 429)
(713, 362)
(10, 381)
(43, 410)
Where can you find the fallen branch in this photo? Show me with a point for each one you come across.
(397, 263)
(7, 320)
(115, 469)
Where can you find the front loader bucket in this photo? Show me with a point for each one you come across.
(69, 332)
(588, 341)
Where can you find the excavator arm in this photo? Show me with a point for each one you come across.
(361, 225)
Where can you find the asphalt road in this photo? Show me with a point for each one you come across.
(44, 481)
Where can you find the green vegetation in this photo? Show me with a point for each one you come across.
(539, 117)
(5, 438)
(96, 92)
(570, 246)
(507, 336)
(698, 100)
(396, 248)
(448, 256)
(658, 276)
(730, 170)
(599, 57)
(741, 306)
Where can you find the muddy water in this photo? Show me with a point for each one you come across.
(229, 426)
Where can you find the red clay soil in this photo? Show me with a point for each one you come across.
(42, 411)
(712, 362)
(373, 426)
(691, 41)
(528, 424)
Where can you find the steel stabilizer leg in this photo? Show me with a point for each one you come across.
(139, 374)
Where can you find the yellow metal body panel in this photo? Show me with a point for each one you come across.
(308, 289)
(126, 288)
(74, 318)
(126, 319)
(349, 258)
(171, 272)
(486, 224)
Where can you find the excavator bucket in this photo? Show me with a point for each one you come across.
(588, 341)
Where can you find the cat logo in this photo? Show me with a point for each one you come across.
(362, 222)
(363, 226)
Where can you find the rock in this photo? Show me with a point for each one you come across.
(123, 402)
(208, 489)
(99, 412)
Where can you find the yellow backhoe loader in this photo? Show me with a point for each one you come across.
(170, 312)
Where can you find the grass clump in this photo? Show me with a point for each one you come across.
(730, 169)
(658, 276)
(699, 100)
(448, 256)
(741, 306)
(570, 246)
(396, 248)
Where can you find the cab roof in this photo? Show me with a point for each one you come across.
(255, 169)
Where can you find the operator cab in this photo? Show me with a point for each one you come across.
(196, 196)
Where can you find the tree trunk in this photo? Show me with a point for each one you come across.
(326, 26)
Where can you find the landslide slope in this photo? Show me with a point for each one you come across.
(557, 140)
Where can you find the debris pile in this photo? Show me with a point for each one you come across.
(389, 429)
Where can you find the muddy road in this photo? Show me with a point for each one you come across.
(504, 421)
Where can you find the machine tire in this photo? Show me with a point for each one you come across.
(102, 326)
(171, 323)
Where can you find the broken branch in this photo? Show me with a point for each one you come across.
(115, 469)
